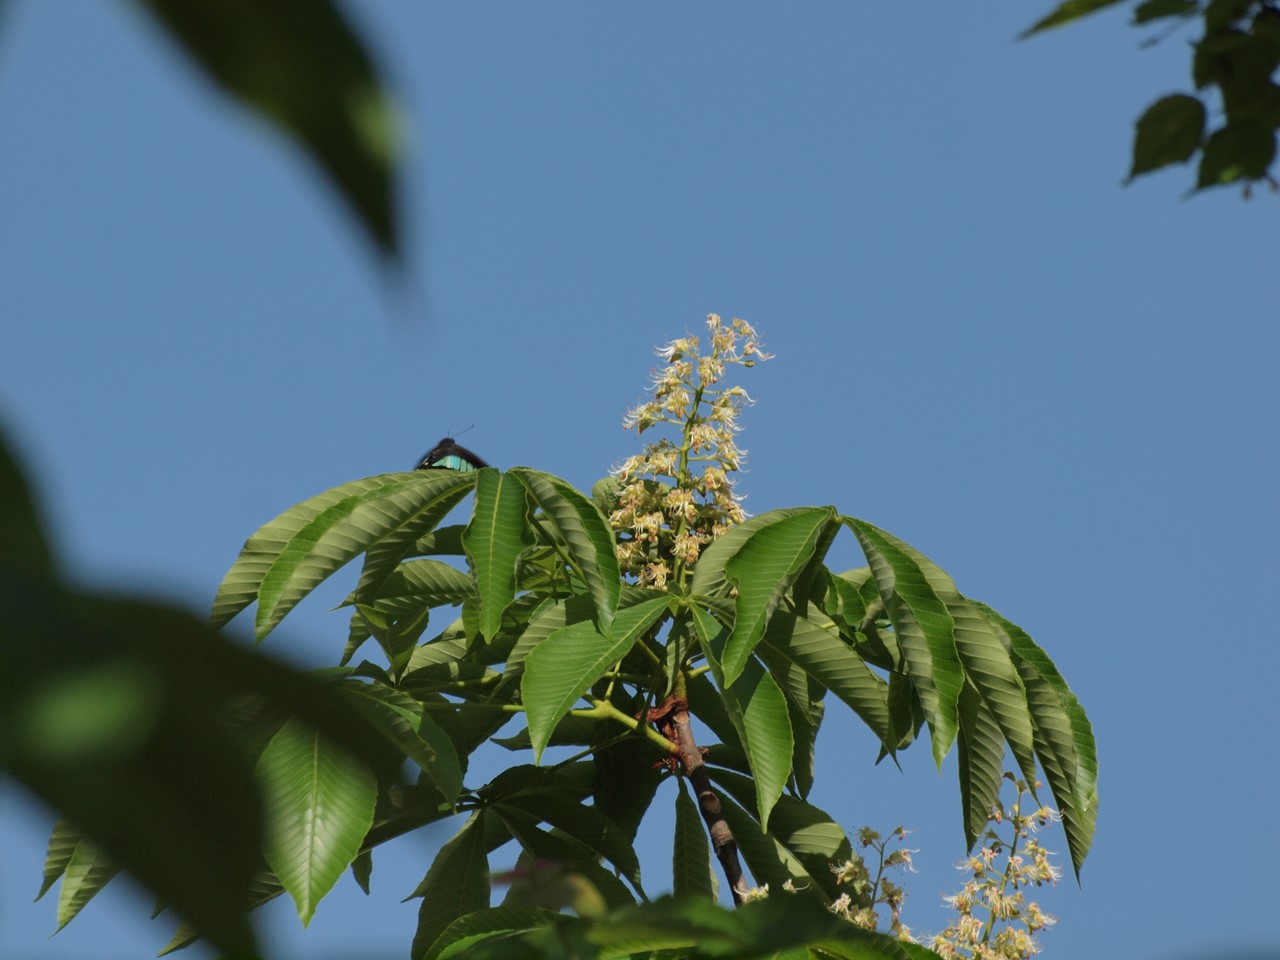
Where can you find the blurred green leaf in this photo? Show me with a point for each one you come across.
(1066, 12)
(299, 63)
(1169, 132)
(1239, 151)
(456, 884)
(1159, 9)
(23, 546)
(87, 872)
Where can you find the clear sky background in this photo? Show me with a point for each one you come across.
(1061, 389)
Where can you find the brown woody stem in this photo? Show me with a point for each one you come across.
(675, 725)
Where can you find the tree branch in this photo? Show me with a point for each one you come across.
(675, 726)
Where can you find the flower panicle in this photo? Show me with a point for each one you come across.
(677, 495)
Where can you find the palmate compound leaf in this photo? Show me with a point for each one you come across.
(497, 535)
(584, 534)
(923, 627)
(562, 668)
(286, 558)
(757, 708)
(319, 805)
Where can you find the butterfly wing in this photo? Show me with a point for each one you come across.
(447, 455)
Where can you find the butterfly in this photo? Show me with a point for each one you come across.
(447, 455)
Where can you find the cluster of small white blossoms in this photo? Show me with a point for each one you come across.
(858, 905)
(996, 890)
(677, 496)
(1000, 870)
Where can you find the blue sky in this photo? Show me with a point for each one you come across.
(1059, 388)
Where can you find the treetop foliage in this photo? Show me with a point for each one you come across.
(618, 629)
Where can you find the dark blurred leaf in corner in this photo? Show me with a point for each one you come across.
(300, 63)
(110, 710)
(23, 547)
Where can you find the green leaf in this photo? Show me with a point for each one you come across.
(1064, 737)
(239, 587)
(108, 720)
(563, 850)
(1239, 151)
(23, 545)
(495, 538)
(1065, 12)
(779, 928)
(626, 773)
(481, 925)
(707, 705)
(87, 872)
(396, 635)
(319, 806)
(586, 536)
(925, 631)
(457, 883)
(692, 874)
(764, 568)
(805, 710)
(562, 668)
(990, 669)
(403, 722)
(287, 557)
(305, 69)
(981, 763)
(345, 530)
(383, 559)
(63, 840)
(1159, 9)
(758, 710)
(362, 869)
(1170, 131)
(585, 824)
(709, 575)
(549, 618)
(831, 662)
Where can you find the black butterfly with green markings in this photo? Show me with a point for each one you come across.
(447, 455)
